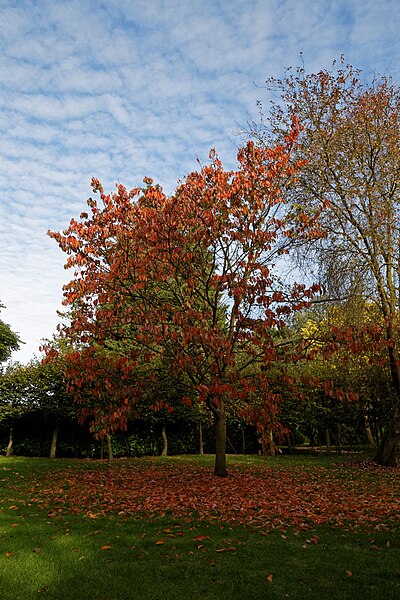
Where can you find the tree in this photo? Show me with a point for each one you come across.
(15, 400)
(49, 393)
(346, 388)
(350, 144)
(9, 341)
(35, 388)
(187, 285)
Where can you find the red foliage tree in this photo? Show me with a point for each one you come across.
(185, 285)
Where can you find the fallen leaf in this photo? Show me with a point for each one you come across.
(225, 549)
(349, 573)
(105, 547)
(9, 553)
(37, 550)
(159, 542)
(270, 577)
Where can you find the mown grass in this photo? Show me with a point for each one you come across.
(68, 555)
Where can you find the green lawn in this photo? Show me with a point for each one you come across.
(138, 529)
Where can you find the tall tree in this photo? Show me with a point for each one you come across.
(185, 283)
(350, 143)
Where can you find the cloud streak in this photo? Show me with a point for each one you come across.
(130, 88)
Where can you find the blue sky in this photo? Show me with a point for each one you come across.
(122, 89)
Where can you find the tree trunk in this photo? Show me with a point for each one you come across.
(165, 441)
(328, 441)
(387, 451)
(268, 446)
(109, 446)
(201, 443)
(53, 447)
(220, 443)
(10, 441)
(243, 441)
(368, 431)
(128, 448)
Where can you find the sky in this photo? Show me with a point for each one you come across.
(123, 89)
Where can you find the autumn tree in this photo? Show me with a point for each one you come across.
(185, 284)
(350, 142)
(347, 386)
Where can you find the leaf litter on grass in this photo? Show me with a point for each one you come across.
(263, 497)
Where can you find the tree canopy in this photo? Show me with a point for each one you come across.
(350, 145)
(9, 341)
(187, 284)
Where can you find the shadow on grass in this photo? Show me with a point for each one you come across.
(123, 559)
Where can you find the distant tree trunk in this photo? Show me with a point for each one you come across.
(102, 448)
(165, 441)
(128, 448)
(243, 441)
(109, 446)
(328, 441)
(53, 447)
(201, 443)
(368, 431)
(10, 441)
(268, 446)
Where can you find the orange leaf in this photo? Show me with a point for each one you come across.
(270, 577)
(106, 547)
(349, 573)
(159, 542)
(9, 553)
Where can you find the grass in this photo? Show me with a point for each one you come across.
(57, 552)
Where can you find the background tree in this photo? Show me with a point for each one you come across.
(50, 395)
(35, 391)
(9, 341)
(350, 143)
(15, 398)
(154, 274)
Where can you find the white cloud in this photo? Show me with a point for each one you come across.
(129, 88)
